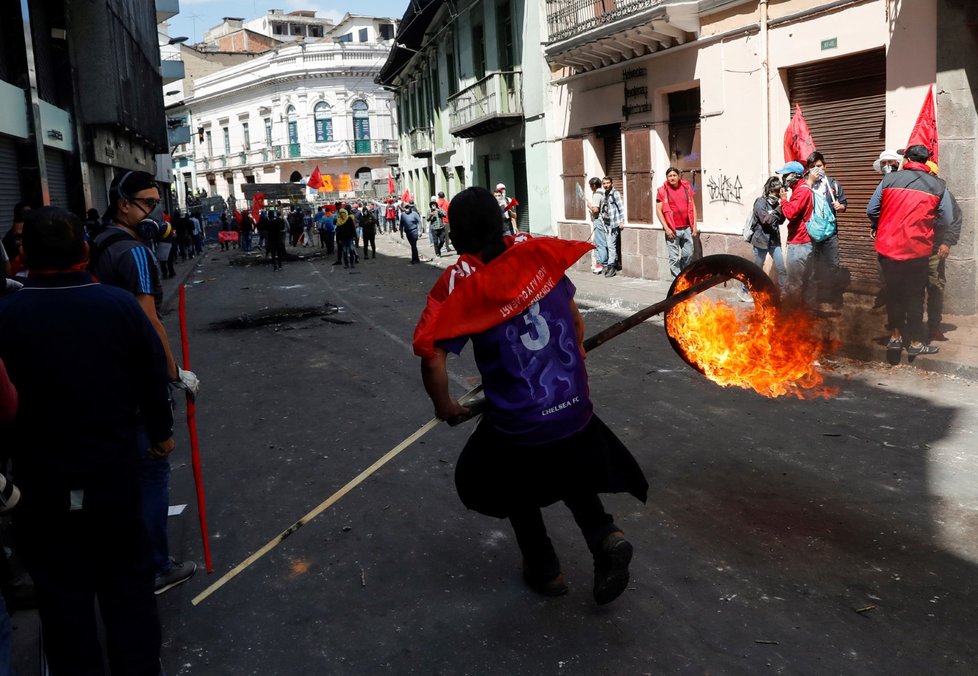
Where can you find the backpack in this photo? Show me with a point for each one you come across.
(821, 225)
(749, 226)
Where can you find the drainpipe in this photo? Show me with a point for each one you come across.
(35, 103)
(765, 88)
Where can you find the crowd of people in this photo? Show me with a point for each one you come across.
(914, 219)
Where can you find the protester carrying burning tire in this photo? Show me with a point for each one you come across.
(539, 440)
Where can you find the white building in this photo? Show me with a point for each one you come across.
(275, 118)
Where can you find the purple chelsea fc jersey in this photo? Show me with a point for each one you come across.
(533, 371)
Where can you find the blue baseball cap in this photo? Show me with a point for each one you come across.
(792, 168)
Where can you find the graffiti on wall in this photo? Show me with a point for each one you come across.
(724, 189)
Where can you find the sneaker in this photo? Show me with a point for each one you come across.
(610, 272)
(179, 572)
(611, 568)
(915, 350)
(597, 268)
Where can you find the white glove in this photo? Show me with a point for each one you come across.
(187, 381)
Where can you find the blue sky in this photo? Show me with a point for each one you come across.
(196, 16)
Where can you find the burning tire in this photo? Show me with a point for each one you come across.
(763, 290)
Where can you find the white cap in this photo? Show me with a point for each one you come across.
(434, 198)
(500, 186)
(886, 156)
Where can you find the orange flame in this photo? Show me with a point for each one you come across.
(770, 351)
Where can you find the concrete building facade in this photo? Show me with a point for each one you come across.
(81, 87)
(274, 118)
(472, 92)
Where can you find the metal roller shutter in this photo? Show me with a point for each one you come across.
(844, 102)
(57, 168)
(9, 183)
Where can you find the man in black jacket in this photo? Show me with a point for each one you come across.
(90, 373)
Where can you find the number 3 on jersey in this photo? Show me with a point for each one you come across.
(538, 335)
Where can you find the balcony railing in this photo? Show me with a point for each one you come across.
(494, 102)
(387, 147)
(420, 141)
(567, 18)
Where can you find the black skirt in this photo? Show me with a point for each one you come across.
(495, 476)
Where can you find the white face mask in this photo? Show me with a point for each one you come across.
(888, 168)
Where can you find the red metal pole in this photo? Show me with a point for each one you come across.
(192, 429)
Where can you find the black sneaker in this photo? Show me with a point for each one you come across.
(611, 568)
(610, 272)
(179, 572)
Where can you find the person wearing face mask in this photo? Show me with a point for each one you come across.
(410, 224)
(766, 235)
(120, 257)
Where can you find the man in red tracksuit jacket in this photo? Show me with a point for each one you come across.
(797, 205)
(904, 211)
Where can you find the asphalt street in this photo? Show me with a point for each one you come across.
(831, 536)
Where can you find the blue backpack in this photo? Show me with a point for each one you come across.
(821, 225)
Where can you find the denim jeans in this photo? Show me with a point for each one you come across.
(348, 250)
(760, 255)
(801, 275)
(612, 240)
(600, 242)
(156, 503)
(680, 250)
(246, 241)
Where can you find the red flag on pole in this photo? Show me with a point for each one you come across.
(798, 143)
(390, 185)
(925, 130)
(406, 197)
(316, 180)
(257, 202)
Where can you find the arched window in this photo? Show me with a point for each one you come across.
(361, 127)
(324, 122)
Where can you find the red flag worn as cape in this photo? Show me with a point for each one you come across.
(471, 296)
(798, 142)
(316, 180)
(925, 130)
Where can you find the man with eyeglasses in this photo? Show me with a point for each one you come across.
(121, 258)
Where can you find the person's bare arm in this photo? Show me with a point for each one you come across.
(434, 375)
(578, 326)
(670, 233)
(149, 307)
